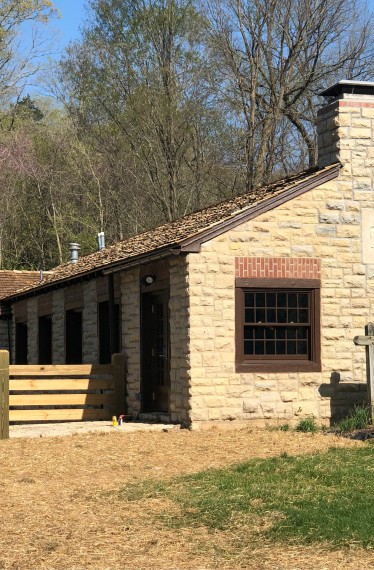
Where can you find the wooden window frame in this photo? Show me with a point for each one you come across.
(247, 363)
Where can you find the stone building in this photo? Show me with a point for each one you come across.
(10, 282)
(243, 311)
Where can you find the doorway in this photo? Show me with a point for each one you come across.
(155, 351)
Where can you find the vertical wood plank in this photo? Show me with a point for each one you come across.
(369, 331)
(119, 376)
(4, 394)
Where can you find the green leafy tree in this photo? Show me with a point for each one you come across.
(20, 61)
(140, 80)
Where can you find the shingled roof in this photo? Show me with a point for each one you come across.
(12, 281)
(186, 234)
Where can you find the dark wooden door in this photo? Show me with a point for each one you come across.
(155, 352)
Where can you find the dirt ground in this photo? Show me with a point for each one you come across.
(56, 512)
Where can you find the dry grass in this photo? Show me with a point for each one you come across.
(56, 513)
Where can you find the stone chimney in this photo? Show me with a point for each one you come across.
(346, 130)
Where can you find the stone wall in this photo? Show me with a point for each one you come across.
(131, 336)
(82, 296)
(323, 224)
(179, 336)
(4, 335)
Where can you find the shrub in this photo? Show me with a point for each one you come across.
(358, 418)
(307, 425)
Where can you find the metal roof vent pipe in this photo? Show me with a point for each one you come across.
(74, 249)
(101, 240)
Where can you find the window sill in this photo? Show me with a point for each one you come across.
(277, 366)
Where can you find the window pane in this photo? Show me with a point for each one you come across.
(249, 299)
(248, 347)
(282, 315)
(271, 316)
(259, 333)
(303, 300)
(291, 333)
(271, 299)
(249, 316)
(270, 333)
(260, 315)
(292, 299)
(260, 299)
(301, 333)
(248, 333)
(270, 347)
(291, 347)
(259, 347)
(292, 315)
(282, 299)
(281, 347)
(302, 347)
(303, 316)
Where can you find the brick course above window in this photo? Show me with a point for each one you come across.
(278, 267)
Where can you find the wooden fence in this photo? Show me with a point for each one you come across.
(76, 392)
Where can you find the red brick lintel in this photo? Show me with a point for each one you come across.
(345, 103)
(278, 267)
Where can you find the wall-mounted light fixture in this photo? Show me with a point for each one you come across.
(148, 280)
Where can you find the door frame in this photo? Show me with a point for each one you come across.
(160, 288)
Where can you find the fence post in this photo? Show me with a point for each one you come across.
(4, 394)
(119, 376)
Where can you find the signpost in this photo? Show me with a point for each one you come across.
(368, 341)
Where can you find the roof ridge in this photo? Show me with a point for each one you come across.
(188, 232)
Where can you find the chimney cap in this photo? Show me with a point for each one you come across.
(347, 86)
(74, 249)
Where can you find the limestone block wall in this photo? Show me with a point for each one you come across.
(89, 323)
(131, 336)
(179, 345)
(32, 338)
(58, 326)
(85, 298)
(325, 224)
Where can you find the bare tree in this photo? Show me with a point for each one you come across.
(275, 55)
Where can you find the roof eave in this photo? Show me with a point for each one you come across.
(113, 267)
(193, 244)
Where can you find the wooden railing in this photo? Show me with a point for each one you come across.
(60, 392)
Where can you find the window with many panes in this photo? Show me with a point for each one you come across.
(277, 325)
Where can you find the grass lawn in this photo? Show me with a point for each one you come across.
(250, 499)
(327, 497)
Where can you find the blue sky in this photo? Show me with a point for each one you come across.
(72, 14)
